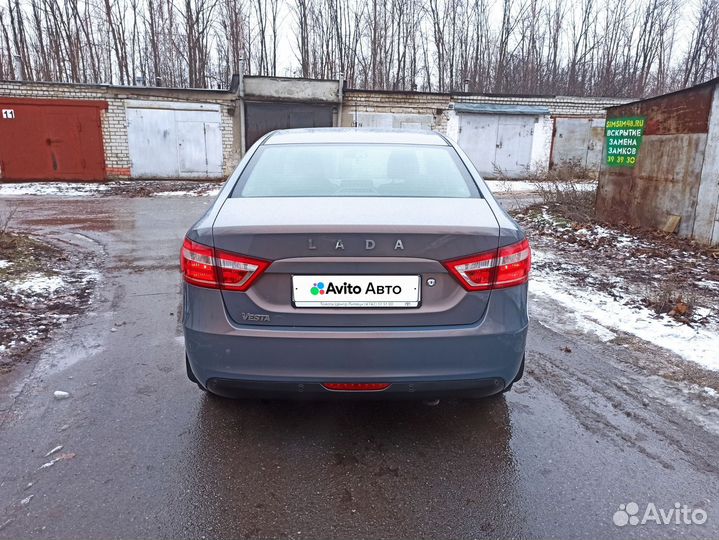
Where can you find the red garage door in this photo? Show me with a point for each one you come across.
(51, 140)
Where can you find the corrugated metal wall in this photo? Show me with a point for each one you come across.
(44, 139)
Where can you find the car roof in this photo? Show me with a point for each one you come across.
(355, 136)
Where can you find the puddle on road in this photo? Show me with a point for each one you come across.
(90, 223)
(64, 352)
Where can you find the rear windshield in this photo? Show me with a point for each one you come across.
(355, 170)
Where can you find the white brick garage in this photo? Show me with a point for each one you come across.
(504, 139)
(174, 139)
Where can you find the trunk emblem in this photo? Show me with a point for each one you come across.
(369, 245)
(431, 282)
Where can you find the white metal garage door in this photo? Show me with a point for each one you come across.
(497, 142)
(174, 140)
(578, 141)
(392, 120)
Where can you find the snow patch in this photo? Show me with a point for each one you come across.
(592, 307)
(189, 193)
(120, 188)
(4, 264)
(52, 188)
(37, 283)
(518, 186)
(709, 284)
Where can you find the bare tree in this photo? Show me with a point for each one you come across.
(518, 46)
(702, 58)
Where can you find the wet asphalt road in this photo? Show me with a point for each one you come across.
(147, 455)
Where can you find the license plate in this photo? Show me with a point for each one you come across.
(356, 291)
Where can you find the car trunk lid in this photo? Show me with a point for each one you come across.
(355, 236)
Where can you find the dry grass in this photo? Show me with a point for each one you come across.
(569, 201)
(672, 298)
(565, 190)
(6, 217)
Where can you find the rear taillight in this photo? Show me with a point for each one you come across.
(513, 265)
(207, 267)
(506, 267)
(237, 272)
(197, 263)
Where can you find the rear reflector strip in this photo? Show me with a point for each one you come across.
(356, 387)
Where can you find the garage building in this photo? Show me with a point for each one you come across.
(147, 132)
(668, 177)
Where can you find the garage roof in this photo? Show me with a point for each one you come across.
(493, 108)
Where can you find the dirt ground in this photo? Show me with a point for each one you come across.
(42, 285)
(661, 271)
(149, 188)
(648, 283)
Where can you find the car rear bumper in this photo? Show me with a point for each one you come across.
(315, 391)
(477, 359)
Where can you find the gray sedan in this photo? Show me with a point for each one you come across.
(355, 263)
